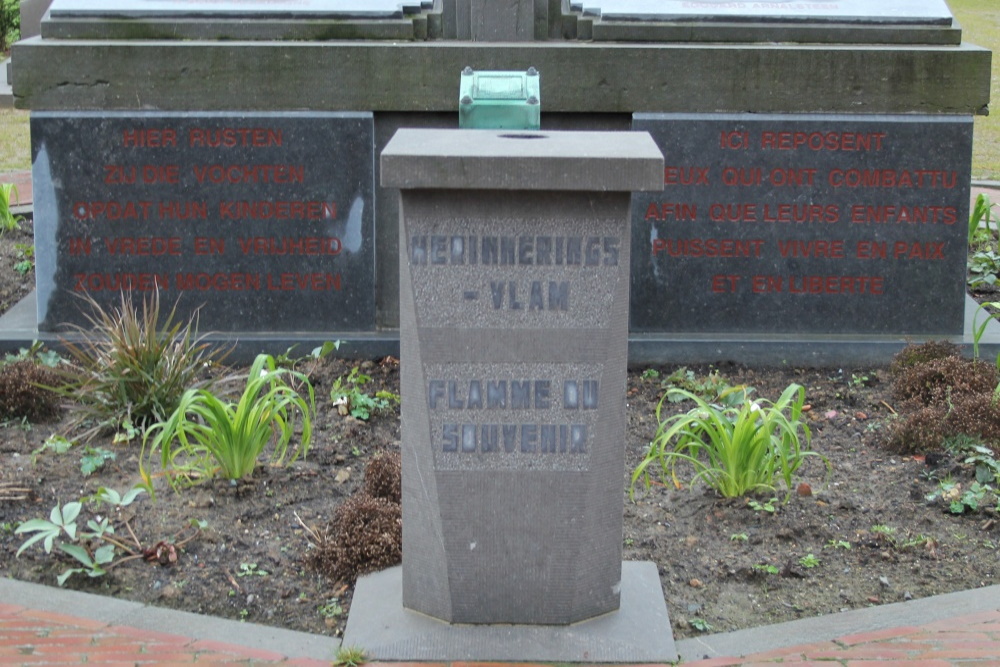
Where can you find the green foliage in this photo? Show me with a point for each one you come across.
(739, 537)
(26, 256)
(287, 360)
(766, 506)
(36, 353)
(350, 656)
(10, 23)
(650, 374)
(984, 267)
(207, 435)
(959, 500)
(982, 458)
(8, 221)
(251, 570)
(349, 397)
(97, 548)
(56, 444)
(837, 544)
(734, 450)
(331, 609)
(765, 568)
(711, 387)
(61, 520)
(94, 458)
(700, 624)
(809, 561)
(981, 233)
(130, 369)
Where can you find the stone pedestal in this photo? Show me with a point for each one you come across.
(514, 311)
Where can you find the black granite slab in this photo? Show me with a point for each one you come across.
(825, 224)
(264, 220)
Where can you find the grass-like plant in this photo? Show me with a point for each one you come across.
(735, 450)
(129, 368)
(208, 436)
(8, 221)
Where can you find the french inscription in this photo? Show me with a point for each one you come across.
(247, 212)
(538, 416)
(835, 224)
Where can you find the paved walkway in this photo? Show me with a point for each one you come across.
(40, 625)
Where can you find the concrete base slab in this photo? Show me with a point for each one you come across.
(638, 632)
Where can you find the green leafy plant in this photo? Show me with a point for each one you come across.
(62, 519)
(251, 570)
(734, 450)
(206, 435)
(765, 568)
(331, 609)
(349, 397)
(8, 221)
(130, 367)
(26, 257)
(700, 624)
(55, 443)
(36, 353)
(984, 267)
(809, 561)
(739, 537)
(766, 506)
(96, 548)
(986, 465)
(711, 387)
(650, 374)
(859, 380)
(837, 544)
(350, 656)
(94, 458)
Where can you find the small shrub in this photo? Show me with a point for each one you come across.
(365, 535)
(25, 392)
(734, 450)
(131, 368)
(383, 477)
(928, 428)
(914, 354)
(940, 381)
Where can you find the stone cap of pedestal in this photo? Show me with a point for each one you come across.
(522, 160)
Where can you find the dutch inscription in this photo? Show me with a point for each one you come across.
(802, 223)
(245, 205)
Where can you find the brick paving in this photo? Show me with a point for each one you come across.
(32, 637)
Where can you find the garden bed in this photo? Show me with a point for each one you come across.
(866, 535)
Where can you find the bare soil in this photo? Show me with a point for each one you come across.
(724, 565)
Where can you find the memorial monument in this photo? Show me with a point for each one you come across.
(736, 95)
(514, 299)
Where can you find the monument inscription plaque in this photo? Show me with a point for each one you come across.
(804, 223)
(266, 219)
(513, 325)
